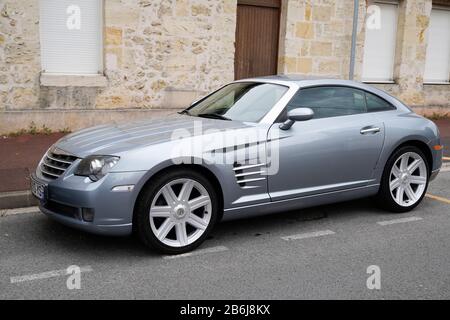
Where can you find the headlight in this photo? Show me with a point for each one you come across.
(96, 167)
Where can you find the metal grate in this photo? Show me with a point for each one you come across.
(55, 163)
(247, 174)
(62, 209)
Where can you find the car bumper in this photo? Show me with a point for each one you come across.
(68, 197)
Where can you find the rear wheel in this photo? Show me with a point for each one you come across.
(177, 211)
(405, 180)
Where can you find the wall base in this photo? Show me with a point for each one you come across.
(59, 120)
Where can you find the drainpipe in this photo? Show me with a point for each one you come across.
(354, 31)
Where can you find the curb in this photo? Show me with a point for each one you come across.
(18, 211)
(17, 199)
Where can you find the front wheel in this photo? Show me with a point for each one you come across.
(177, 211)
(405, 180)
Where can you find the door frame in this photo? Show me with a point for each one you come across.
(276, 4)
(261, 3)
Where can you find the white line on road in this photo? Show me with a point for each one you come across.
(308, 235)
(395, 221)
(198, 252)
(12, 212)
(45, 275)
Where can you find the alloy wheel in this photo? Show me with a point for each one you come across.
(180, 212)
(408, 179)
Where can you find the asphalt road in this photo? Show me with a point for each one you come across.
(327, 257)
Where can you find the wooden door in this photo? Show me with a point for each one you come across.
(257, 34)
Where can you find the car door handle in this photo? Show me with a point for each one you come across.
(367, 130)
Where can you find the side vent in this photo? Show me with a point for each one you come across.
(250, 175)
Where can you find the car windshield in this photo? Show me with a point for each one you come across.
(243, 101)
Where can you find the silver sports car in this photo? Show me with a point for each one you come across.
(253, 147)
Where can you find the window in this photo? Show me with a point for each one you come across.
(379, 47)
(375, 104)
(330, 101)
(71, 36)
(244, 101)
(437, 65)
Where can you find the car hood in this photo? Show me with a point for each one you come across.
(116, 138)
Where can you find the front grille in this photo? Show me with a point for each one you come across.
(62, 209)
(55, 163)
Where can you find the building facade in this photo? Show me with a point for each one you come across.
(72, 64)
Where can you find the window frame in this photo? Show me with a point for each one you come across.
(425, 81)
(283, 114)
(66, 79)
(396, 3)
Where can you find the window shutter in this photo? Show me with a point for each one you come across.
(437, 66)
(379, 47)
(71, 36)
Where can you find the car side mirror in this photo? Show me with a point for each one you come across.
(297, 114)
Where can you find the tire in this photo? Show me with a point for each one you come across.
(184, 224)
(397, 181)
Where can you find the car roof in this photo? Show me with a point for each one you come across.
(295, 77)
(311, 81)
(303, 81)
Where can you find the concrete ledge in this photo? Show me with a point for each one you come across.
(17, 211)
(17, 199)
(181, 98)
(73, 80)
(430, 111)
(74, 119)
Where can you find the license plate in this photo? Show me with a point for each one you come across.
(38, 189)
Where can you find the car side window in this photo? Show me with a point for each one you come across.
(329, 102)
(375, 104)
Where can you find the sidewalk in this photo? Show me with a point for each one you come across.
(444, 128)
(21, 154)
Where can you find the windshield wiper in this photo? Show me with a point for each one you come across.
(185, 112)
(213, 116)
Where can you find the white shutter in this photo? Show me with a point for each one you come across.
(437, 66)
(379, 47)
(71, 36)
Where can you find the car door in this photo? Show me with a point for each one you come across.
(338, 149)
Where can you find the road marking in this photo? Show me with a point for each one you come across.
(445, 200)
(395, 221)
(12, 212)
(197, 252)
(308, 235)
(45, 275)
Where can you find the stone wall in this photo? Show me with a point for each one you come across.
(413, 22)
(159, 55)
(316, 40)
(159, 51)
(317, 37)
(19, 55)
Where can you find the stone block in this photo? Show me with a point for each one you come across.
(304, 30)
